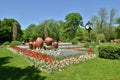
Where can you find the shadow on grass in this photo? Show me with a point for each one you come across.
(13, 73)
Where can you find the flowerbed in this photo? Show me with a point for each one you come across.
(46, 62)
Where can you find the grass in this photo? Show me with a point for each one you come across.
(15, 67)
(97, 69)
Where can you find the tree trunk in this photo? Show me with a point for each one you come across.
(14, 31)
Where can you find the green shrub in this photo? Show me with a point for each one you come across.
(6, 43)
(88, 44)
(74, 41)
(13, 43)
(109, 52)
(101, 37)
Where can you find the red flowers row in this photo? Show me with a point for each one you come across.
(39, 56)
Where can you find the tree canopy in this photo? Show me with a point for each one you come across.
(6, 30)
(74, 21)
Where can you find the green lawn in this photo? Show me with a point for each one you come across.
(15, 67)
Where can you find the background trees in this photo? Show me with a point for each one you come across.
(104, 23)
(46, 28)
(58, 30)
(69, 30)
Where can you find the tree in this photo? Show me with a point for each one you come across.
(118, 21)
(118, 28)
(51, 28)
(74, 21)
(39, 31)
(47, 28)
(6, 29)
(62, 34)
(79, 34)
(1, 32)
(104, 25)
(28, 32)
(118, 32)
(15, 27)
(101, 37)
(54, 31)
(112, 15)
(95, 21)
(103, 16)
(96, 24)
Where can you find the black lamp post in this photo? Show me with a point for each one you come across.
(88, 27)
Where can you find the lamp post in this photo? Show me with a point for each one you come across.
(88, 27)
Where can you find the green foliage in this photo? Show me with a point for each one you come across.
(101, 24)
(62, 34)
(101, 37)
(118, 32)
(47, 28)
(109, 32)
(53, 29)
(39, 31)
(63, 31)
(103, 16)
(93, 35)
(88, 44)
(109, 52)
(14, 43)
(28, 33)
(96, 22)
(73, 20)
(118, 21)
(74, 41)
(6, 30)
(6, 43)
(80, 34)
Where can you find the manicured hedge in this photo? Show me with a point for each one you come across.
(109, 52)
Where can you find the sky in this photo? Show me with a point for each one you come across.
(28, 12)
